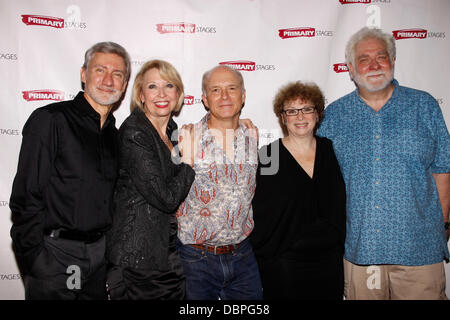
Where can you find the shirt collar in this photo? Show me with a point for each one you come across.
(86, 109)
(207, 135)
(171, 125)
(394, 96)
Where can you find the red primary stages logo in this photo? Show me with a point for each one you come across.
(296, 32)
(37, 20)
(44, 94)
(409, 34)
(183, 27)
(340, 67)
(241, 65)
(72, 22)
(364, 1)
(180, 27)
(354, 1)
(306, 32)
(188, 100)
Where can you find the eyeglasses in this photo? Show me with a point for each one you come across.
(294, 112)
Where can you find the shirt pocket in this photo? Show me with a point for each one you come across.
(415, 146)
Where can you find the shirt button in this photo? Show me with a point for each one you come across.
(378, 159)
(378, 230)
(377, 207)
(377, 182)
(377, 136)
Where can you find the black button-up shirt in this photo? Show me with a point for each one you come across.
(66, 174)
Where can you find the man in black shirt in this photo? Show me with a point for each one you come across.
(62, 193)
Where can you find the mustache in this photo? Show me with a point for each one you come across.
(375, 73)
(106, 88)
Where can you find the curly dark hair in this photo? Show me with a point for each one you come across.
(292, 91)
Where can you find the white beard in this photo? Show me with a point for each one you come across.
(362, 81)
(103, 98)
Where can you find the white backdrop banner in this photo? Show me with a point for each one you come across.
(271, 42)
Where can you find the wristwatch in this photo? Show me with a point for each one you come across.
(447, 225)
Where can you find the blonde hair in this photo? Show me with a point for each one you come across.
(167, 72)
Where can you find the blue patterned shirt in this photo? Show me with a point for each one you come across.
(394, 215)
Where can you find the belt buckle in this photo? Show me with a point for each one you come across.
(94, 237)
(54, 233)
(227, 248)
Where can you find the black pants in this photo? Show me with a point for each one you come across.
(68, 270)
(148, 284)
(304, 279)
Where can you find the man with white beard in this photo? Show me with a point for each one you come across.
(61, 197)
(393, 147)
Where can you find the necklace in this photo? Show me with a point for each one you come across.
(165, 139)
(167, 142)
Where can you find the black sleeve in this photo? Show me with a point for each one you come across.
(27, 200)
(144, 162)
(339, 190)
(265, 209)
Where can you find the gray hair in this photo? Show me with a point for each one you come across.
(369, 33)
(208, 74)
(109, 47)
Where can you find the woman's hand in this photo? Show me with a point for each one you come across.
(252, 129)
(186, 144)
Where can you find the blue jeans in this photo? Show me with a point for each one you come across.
(231, 276)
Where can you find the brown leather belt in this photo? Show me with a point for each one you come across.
(229, 248)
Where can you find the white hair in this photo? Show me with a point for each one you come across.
(109, 47)
(369, 33)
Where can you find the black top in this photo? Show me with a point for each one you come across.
(297, 216)
(65, 177)
(150, 187)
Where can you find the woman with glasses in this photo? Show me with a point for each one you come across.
(299, 204)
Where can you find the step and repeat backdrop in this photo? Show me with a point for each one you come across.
(271, 42)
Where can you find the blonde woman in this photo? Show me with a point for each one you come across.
(141, 246)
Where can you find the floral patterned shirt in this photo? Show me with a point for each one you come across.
(217, 210)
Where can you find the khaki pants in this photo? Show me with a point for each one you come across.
(394, 282)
